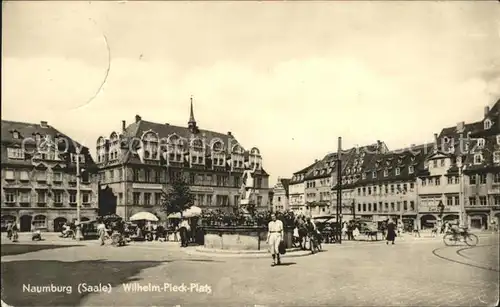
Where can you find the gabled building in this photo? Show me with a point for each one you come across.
(138, 162)
(482, 170)
(39, 177)
(297, 187)
(387, 188)
(281, 195)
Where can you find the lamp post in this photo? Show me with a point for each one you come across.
(78, 234)
(462, 217)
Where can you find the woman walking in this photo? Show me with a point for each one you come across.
(101, 230)
(274, 237)
(391, 232)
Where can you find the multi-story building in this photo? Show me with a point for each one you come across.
(482, 170)
(354, 163)
(297, 187)
(387, 188)
(39, 183)
(318, 188)
(138, 163)
(280, 195)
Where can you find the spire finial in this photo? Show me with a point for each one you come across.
(192, 121)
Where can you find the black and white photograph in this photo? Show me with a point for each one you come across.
(250, 153)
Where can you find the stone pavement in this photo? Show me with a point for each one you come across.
(413, 272)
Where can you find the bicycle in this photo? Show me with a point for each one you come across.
(452, 238)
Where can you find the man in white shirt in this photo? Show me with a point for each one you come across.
(274, 237)
(184, 229)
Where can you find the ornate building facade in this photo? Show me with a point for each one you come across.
(39, 177)
(137, 164)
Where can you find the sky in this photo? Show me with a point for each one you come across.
(286, 77)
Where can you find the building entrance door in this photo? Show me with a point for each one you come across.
(25, 223)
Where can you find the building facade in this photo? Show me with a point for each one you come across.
(281, 195)
(482, 171)
(138, 163)
(297, 188)
(39, 182)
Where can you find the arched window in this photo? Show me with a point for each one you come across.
(40, 221)
(487, 124)
(217, 147)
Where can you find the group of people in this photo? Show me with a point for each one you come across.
(13, 232)
(305, 231)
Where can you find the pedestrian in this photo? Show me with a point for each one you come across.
(101, 230)
(274, 237)
(184, 229)
(9, 230)
(344, 231)
(391, 232)
(416, 231)
(355, 232)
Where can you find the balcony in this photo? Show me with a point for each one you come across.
(58, 204)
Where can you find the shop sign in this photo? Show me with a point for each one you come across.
(202, 189)
(424, 208)
(147, 186)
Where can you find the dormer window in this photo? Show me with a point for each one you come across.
(374, 174)
(480, 143)
(15, 135)
(386, 173)
(478, 158)
(446, 139)
(364, 176)
(398, 171)
(487, 124)
(411, 169)
(400, 161)
(412, 159)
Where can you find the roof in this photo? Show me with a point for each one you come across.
(48, 135)
(135, 131)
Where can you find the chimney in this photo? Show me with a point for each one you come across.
(124, 124)
(167, 124)
(486, 111)
(229, 133)
(435, 142)
(460, 127)
(44, 124)
(137, 118)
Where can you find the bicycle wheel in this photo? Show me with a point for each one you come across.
(449, 239)
(471, 239)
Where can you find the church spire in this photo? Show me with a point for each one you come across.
(192, 121)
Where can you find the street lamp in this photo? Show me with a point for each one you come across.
(78, 235)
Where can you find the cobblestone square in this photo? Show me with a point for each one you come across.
(413, 272)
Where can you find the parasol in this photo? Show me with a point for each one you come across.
(144, 216)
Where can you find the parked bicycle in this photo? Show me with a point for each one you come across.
(454, 237)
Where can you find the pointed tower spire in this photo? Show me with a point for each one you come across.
(192, 122)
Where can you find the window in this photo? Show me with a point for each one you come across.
(40, 221)
(375, 207)
(58, 197)
(480, 143)
(72, 198)
(424, 182)
(359, 207)
(412, 185)
(137, 198)
(9, 175)
(209, 200)
(482, 200)
(393, 207)
(412, 205)
(438, 181)
(148, 176)
(364, 207)
(41, 197)
(222, 200)
(392, 189)
(443, 162)
(85, 198)
(482, 179)
(472, 179)
(157, 198)
(456, 200)
(496, 157)
(487, 124)
(435, 163)
(219, 180)
(411, 169)
(398, 171)
(472, 201)
(10, 197)
(15, 153)
(450, 180)
(405, 205)
(135, 175)
(398, 206)
(497, 200)
(449, 201)
(386, 173)
(24, 197)
(191, 179)
(363, 176)
(496, 178)
(259, 200)
(147, 199)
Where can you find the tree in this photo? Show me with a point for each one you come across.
(177, 197)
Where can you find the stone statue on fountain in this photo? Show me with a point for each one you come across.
(247, 189)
